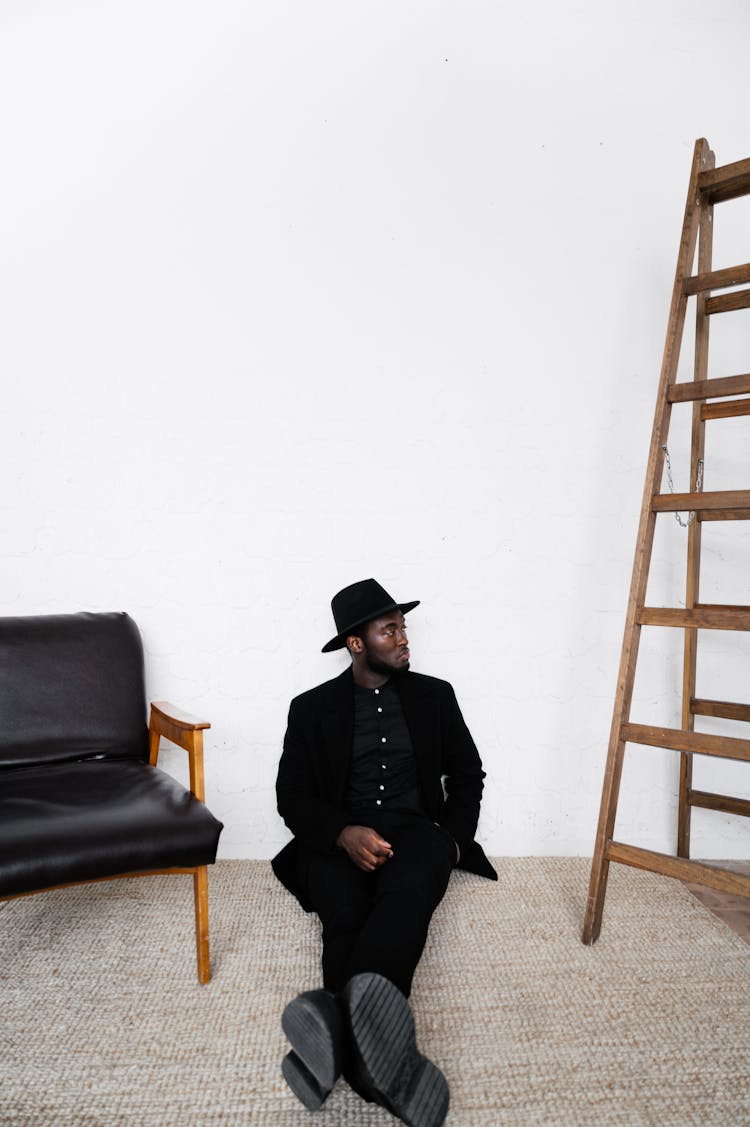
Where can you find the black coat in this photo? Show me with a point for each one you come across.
(314, 769)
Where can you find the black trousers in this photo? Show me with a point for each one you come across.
(379, 921)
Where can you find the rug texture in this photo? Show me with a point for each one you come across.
(104, 1023)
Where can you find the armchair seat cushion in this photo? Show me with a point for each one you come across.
(66, 822)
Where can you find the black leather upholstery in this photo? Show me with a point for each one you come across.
(78, 799)
(65, 822)
(71, 685)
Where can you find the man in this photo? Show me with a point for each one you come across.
(380, 782)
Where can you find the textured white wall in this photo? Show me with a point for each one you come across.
(293, 294)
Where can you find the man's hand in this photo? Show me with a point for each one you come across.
(366, 848)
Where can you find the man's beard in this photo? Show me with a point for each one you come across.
(377, 666)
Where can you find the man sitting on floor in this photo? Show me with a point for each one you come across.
(380, 782)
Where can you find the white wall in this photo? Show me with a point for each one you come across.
(297, 293)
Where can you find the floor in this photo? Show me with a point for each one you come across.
(733, 910)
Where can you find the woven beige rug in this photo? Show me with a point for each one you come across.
(104, 1023)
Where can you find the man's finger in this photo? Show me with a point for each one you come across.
(379, 846)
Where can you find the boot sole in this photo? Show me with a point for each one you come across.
(402, 1080)
(315, 1037)
(302, 1082)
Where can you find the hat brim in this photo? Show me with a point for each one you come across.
(339, 641)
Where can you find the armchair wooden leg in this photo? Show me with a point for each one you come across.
(200, 889)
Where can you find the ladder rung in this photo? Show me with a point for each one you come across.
(716, 279)
(722, 879)
(701, 502)
(730, 410)
(728, 302)
(721, 606)
(708, 389)
(723, 802)
(724, 514)
(726, 182)
(725, 709)
(677, 739)
(700, 617)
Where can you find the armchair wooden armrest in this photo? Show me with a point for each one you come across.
(182, 729)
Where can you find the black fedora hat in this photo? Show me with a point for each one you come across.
(359, 603)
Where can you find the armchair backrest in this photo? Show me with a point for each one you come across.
(71, 687)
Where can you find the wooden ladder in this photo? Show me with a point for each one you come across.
(708, 185)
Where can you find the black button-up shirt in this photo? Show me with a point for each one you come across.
(384, 769)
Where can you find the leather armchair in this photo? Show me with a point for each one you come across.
(81, 797)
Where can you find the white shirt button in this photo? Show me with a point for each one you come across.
(383, 766)
(377, 692)
(380, 710)
(378, 802)
(382, 739)
(382, 787)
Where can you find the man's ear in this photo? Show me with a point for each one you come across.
(354, 644)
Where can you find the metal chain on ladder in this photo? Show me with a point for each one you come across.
(698, 486)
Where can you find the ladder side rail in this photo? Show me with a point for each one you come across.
(626, 676)
(695, 529)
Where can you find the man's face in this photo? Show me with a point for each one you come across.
(386, 645)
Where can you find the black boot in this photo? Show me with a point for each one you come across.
(386, 1066)
(313, 1025)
